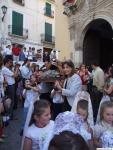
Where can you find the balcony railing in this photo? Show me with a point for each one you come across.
(45, 38)
(20, 2)
(48, 12)
(16, 31)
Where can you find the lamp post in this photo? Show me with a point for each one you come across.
(4, 10)
(2, 39)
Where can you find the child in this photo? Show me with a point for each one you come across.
(31, 94)
(58, 100)
(83, 95)
(82, 106)
(82, 110)
(40, 132)
(104, 125)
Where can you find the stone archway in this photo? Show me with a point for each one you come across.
(98, 43)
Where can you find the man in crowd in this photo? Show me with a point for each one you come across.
(16, 52)
(97, 89)
(10, 76)
(7, 52)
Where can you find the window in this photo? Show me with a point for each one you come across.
(48, 9)
(21, 2)
(17, 23)
(48, 32)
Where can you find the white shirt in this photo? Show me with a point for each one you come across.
(26, 72)
(8, 74)
(40, 136)
(1, 84)
(98, 78)
(57, 98)
(30, 96)
(7, 51)
(30, 55)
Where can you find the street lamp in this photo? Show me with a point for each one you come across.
(4, 10)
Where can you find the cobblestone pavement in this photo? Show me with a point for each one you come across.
(13, 141)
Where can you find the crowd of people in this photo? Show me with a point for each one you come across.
(64, 108)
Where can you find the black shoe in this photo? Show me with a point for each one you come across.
(21, 132)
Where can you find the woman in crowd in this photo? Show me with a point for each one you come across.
(109, 84)
(84, 75)
(72, 84)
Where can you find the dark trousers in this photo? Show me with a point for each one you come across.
(96, 97)
(66, 106)
(57, 108)
(10, 91)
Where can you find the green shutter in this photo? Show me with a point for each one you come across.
(48, 32)
(17, 23)
(48, 9)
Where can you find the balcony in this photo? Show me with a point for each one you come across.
(16, 31)
(20, 2)
(48, 12)
(45, 38)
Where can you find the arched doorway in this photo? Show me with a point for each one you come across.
(98, 43)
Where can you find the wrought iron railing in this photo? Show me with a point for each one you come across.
(48, 12)
(45, 38)
(17, 31)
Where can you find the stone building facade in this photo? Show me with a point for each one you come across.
(91, 35)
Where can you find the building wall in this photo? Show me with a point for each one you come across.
(61, 32)
(80, 20)
(33, 20)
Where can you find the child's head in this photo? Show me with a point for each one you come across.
(33, 78)
(42, 113)
(82, 108)
(68, 141)
(106, 112)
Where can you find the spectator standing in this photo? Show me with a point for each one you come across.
(16, 52)
(97, 89)
(7, 52)
(22, 55)
(46, 56)
(30, 55)
(10, 78)
(25, 52)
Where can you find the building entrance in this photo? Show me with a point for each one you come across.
(98, 43)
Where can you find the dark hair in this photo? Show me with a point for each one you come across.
(7, 59)
(25, 61)
(70, 64)
(104, 105)
(39, 108)
(95, 63)
(1, 60)
(83, 104)
(67, 140)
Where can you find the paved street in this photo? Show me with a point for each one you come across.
(13, 141)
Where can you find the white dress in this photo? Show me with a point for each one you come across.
(40, 136)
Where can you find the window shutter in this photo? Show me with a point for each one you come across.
(48, 9)
(17, 23)
(48, 32)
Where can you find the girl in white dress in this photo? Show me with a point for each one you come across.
(82, 106)
(40, 132)
(103, 130)
(31, 94)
